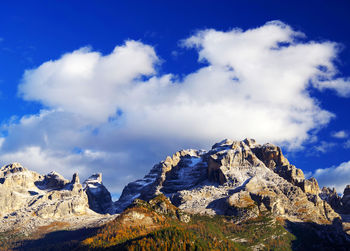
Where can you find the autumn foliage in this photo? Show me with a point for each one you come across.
(141, 227)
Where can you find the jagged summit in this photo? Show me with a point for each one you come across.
(218, 180)
(30, 199)
(14, 167)
(100, 199)
(235, 178)
(243, 179)
(96, 177)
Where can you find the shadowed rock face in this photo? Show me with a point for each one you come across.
(234, 177)
(332, 198)
(346, 199)
(99, 197)
(338, 203)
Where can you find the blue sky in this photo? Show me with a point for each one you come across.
(89, 123)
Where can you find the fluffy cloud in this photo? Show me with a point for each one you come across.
(86, 83)
(114, 113)
(337, 176)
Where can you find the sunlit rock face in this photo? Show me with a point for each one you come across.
(240, 178)
(29, 200)
(48, 195)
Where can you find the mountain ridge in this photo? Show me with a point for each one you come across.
(29, 200)
(242, 180)
(229, 168)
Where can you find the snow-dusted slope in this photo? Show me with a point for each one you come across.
(218, 180)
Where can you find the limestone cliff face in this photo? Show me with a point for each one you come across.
(26, 196)
(240, 178)
(43, 195)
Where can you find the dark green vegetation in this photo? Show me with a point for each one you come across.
(158, 225)
(6, 239)
(311, 236)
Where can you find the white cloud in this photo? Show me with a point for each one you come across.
(340, 85)
(308, 175)
(40, 160)
(86, 83)
(1, 141)
(324, 146)
(337, 176)
(122, 116)
(340, 134)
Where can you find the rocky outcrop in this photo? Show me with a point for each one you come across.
(332, 198)
(340, 204)
(273, 158)
(269, 154)
(346, 200)
(239, 178)
(26, 196)
(99, 197)
(242, 205)
(310, 186)
(291, 174)
(185, 169)
(52, 181)
(47, 196)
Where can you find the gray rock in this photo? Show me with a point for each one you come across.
(184, 170)
(346, 200)
(99, 197)
(216, 182)
(310, 186)
(331, 197)
(26, 196)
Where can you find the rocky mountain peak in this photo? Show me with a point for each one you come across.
(345, 200)
(95, 178)
(234, 178)
(52, 180)
(12, 168)
(30, 199)
(331, 196)
(15, 175)
(75, 179)
(347, 190)
(219, 180)
(100, 199)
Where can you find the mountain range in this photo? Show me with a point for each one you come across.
(239, 195)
